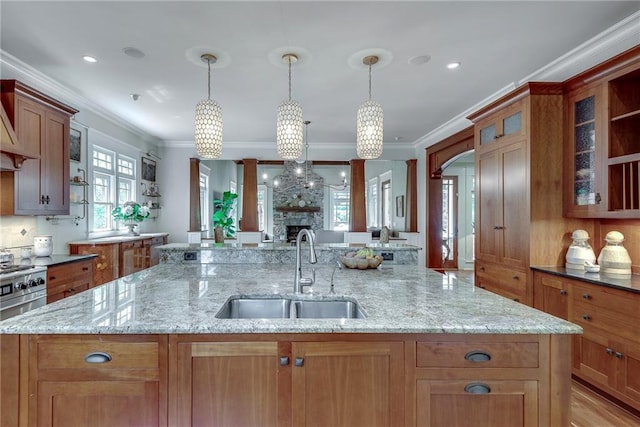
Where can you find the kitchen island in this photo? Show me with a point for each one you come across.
(430, 349)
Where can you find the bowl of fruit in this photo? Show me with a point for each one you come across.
(362, 259)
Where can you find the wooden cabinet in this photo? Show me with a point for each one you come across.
(116, 259)
(280, 382)
(106, 266)
(68, 279)
(348, 383)
(132, 257)
(42, 125)
(498, 379)
(76, 380)
(607, 354)
(602, 112)
(518, 173)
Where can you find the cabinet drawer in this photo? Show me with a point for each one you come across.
(65, 273)
(594, 316)
(131, 245)
(70, 353)
(477, 355)
(622, 302)
(154, 241)
(508, 282)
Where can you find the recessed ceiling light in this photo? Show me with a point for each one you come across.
(453, 65)
(89, 58)
(419, 59)
(133, 52)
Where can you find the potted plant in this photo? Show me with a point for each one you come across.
(223, 225)
(131, 213)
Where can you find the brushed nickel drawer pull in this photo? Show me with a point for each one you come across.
(563, 292)
(477, 356)
(477, 388)
(515, 277)
(609, 351)
(97, 357)
(299, 361)
(284, 361)
(586, 317)
(586, 296)
(619, 355)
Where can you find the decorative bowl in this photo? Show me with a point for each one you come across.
(361, 263)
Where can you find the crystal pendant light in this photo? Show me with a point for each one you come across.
(208, 122)
(369, 123)
(289, 135)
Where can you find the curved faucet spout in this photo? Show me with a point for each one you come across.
(300, 281)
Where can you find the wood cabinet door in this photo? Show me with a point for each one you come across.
(514, 239)
(348, 384)
(106, 266)
(98, 403)
(551, 295)
(594, 359)
(231, 384)
(55, 164)
(30, 129)
(132, 257)
(628, 370)
(489, 206)
(473, 403)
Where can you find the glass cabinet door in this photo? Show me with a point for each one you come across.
(584, 155)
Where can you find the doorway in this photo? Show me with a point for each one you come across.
(449, 222)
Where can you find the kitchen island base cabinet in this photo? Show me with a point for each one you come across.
(105, 380)
(275, 383)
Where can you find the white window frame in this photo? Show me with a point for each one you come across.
(333, 206)
(372, 203)
(204, 202)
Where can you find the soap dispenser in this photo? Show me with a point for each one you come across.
(580, 252)
(614, 258)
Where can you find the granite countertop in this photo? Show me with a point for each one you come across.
(117, 239)
(54, 259)
(285, 246)
(629, 283)
(170, 298)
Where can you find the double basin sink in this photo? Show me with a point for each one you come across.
(260, 307)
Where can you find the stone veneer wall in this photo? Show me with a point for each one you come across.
(290, 191)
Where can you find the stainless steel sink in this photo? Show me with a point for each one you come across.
(264, 307)
(255, 308)
(328, 309)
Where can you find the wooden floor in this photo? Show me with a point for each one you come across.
(588, 409)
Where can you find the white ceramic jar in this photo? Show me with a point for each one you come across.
(42, 246)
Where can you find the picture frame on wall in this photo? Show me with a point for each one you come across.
(148, 169)
(400, 206)
(75, 145)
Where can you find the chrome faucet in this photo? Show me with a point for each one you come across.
(300, 281)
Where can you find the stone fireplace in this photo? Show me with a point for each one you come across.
(297, 205)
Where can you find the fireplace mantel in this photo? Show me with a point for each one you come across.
(298, 209)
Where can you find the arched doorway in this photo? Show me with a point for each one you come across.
(439, 156)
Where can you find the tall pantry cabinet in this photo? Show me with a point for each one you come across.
(518, 145)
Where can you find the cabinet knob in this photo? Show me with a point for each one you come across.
(284, 360)
(586, 317)
(515, 277)
(498, 227)
(477, 388)
(97, 357)
(85, 268)
(609, 351)
(619, 355)
(481, 268)
(477, 356)
(47, 199)
(598, 198)
(516, 299)
(42, 199)
(586, 296)
(563, 292)
(299, 361)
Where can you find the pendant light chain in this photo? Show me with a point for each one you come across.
(369, 81)
(289, 79)
(209, 80)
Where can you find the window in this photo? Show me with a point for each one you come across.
(372, 203)
(204, 202)
(262, 207)
(386, 204)
(339, 210)
(113, 182)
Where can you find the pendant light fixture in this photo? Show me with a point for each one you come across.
(208, 122)
(289, 135)
(369, 126)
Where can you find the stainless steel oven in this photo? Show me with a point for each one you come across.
(22, 288)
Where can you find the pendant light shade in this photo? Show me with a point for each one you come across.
(289, 124)
(369, 123)
(208, 121)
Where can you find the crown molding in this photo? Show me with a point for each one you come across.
(29, 75)
(614, 40)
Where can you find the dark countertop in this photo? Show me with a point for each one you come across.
(54, 259)
(627, 283)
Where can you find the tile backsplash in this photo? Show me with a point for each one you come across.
(17, 231)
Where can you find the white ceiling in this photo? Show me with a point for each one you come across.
(498, 43)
